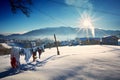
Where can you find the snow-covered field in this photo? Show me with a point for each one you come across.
(91, 62)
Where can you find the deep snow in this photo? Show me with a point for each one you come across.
(91, 62)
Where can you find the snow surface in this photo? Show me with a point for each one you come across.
(91, 62)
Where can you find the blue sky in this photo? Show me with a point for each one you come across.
(55, 13)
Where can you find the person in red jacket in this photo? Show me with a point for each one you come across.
(15, 57)
(13, 62)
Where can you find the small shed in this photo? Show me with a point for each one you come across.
(119, 42)
(110, 40)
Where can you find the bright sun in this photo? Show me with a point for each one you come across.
(86, 23)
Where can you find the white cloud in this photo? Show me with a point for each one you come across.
(85, 4)
(70, 2)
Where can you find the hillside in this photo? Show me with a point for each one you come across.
(4, 49)
(63, 32)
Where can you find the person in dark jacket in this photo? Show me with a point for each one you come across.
(34, 54)
(39, 51)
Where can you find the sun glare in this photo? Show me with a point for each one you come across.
(86, 23)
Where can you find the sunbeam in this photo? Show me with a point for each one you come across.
(87, 23)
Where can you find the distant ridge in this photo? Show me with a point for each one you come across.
(63, 32)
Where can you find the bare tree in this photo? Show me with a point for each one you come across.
(21, 5)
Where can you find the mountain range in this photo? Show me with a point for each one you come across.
(62, 32)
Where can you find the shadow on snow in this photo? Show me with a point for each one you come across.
(24, 67)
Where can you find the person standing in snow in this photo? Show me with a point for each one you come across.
(13, 62)
(34, 54)
(15, 57)
(28, 53)
(43, 48)
(39, 51)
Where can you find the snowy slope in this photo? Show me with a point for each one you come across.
(93, 62)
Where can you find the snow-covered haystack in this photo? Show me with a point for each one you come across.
(93, 62)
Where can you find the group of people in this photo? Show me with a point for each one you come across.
(27, 52)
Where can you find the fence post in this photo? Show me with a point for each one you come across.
(58, 53)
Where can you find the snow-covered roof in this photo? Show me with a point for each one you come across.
(114, 37)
